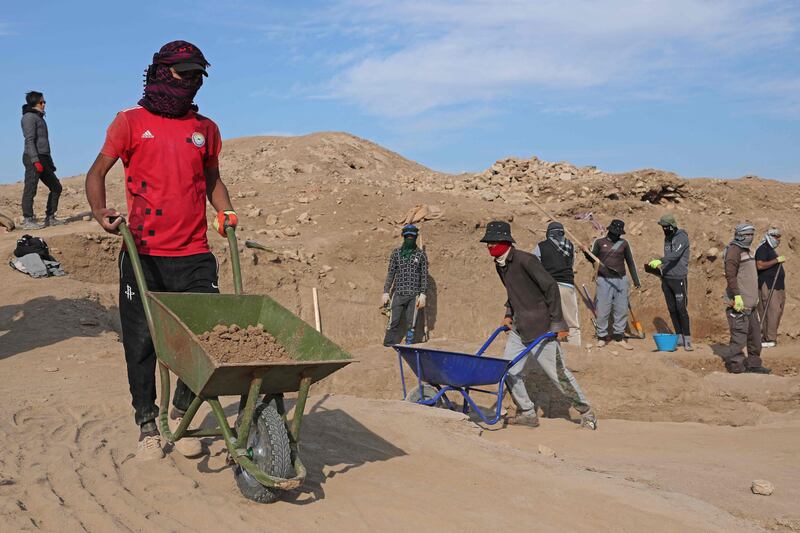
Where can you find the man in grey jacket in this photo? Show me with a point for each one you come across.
(38, 163)
(674, 268)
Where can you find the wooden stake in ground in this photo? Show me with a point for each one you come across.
(317, 320)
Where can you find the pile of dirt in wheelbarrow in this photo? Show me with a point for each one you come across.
(233, 344)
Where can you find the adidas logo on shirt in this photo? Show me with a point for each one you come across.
(148, 135)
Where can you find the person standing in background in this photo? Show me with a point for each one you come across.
(557, 255)
(408, 276)
(38, 163)
(674, 267)
(771, 278)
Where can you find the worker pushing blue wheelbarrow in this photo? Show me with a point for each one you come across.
(439, 372)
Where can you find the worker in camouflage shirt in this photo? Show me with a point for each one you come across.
(408, 274)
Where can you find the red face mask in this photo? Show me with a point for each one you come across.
(498, 249)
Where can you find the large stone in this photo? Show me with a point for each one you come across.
(762, 487)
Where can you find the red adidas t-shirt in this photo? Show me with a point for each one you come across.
(165, 161)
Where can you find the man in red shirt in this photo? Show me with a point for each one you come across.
(171, 158)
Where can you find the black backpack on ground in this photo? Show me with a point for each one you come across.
(32, 245)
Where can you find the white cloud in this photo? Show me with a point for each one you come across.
(415, 56)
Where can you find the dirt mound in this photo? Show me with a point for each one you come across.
(232, 344)
(328, 204)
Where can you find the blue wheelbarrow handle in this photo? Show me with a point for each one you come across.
(531, 346)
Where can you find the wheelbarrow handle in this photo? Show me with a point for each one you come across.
(491, 339)
(235, 263)
(531, 346)
(138, 273)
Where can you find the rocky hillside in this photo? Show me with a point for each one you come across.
(329, 205)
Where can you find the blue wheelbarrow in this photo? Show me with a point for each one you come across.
(439, 372)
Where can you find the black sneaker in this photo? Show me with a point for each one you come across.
(52, 221)
(758, 370)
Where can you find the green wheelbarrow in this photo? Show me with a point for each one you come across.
(263, 444)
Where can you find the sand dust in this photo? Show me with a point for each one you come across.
(233, 344)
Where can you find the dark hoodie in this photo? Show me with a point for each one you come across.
(34, 129)
(675, 263)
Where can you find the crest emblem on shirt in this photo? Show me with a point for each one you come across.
(198, 139)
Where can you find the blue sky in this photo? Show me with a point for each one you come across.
(703, 88)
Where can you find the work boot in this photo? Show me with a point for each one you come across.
(601, 343)
(149, 447)
(51, 220)
(188, 446)
(758, 370)
(622, 343)
(687, 344)
(525, 418)
(589, 420)
(31, 223)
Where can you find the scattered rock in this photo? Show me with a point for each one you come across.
(303, 218)
(351, 285)
(325, 269)
(303, 200)
(50, 368)
(291, 231)
(255, 212)
(271, 219)
(547, 451)
(762, 487)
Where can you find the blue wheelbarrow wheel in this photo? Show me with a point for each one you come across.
(425, 392)
(269, 442)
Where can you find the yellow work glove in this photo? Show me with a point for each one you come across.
(654, 264)
(738, 304)
(781, 259)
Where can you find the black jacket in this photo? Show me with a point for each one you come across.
(534, 301)
(34, 129)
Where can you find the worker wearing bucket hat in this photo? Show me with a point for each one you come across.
(407, 277)
(533, 308)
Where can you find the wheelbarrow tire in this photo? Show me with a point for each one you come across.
(426, 392)
(269, 441)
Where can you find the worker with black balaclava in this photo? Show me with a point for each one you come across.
(557, 255)
(771, 286)
(407, 279)
(674, 270)
(170, 154)
(741, 292)
(611, 296)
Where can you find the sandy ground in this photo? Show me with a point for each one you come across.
(678, 445)
(67, 441)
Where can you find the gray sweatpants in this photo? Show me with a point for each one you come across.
(612, 297)
(548, 358)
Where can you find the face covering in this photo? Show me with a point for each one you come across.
(498, 249)
(408, 247)
(743, 235)
(613, 237)
(669, 231)
(558, 237)
(772, 237)
(163, 93)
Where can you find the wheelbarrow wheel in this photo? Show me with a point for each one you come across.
(424, 392)
(269, 442)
